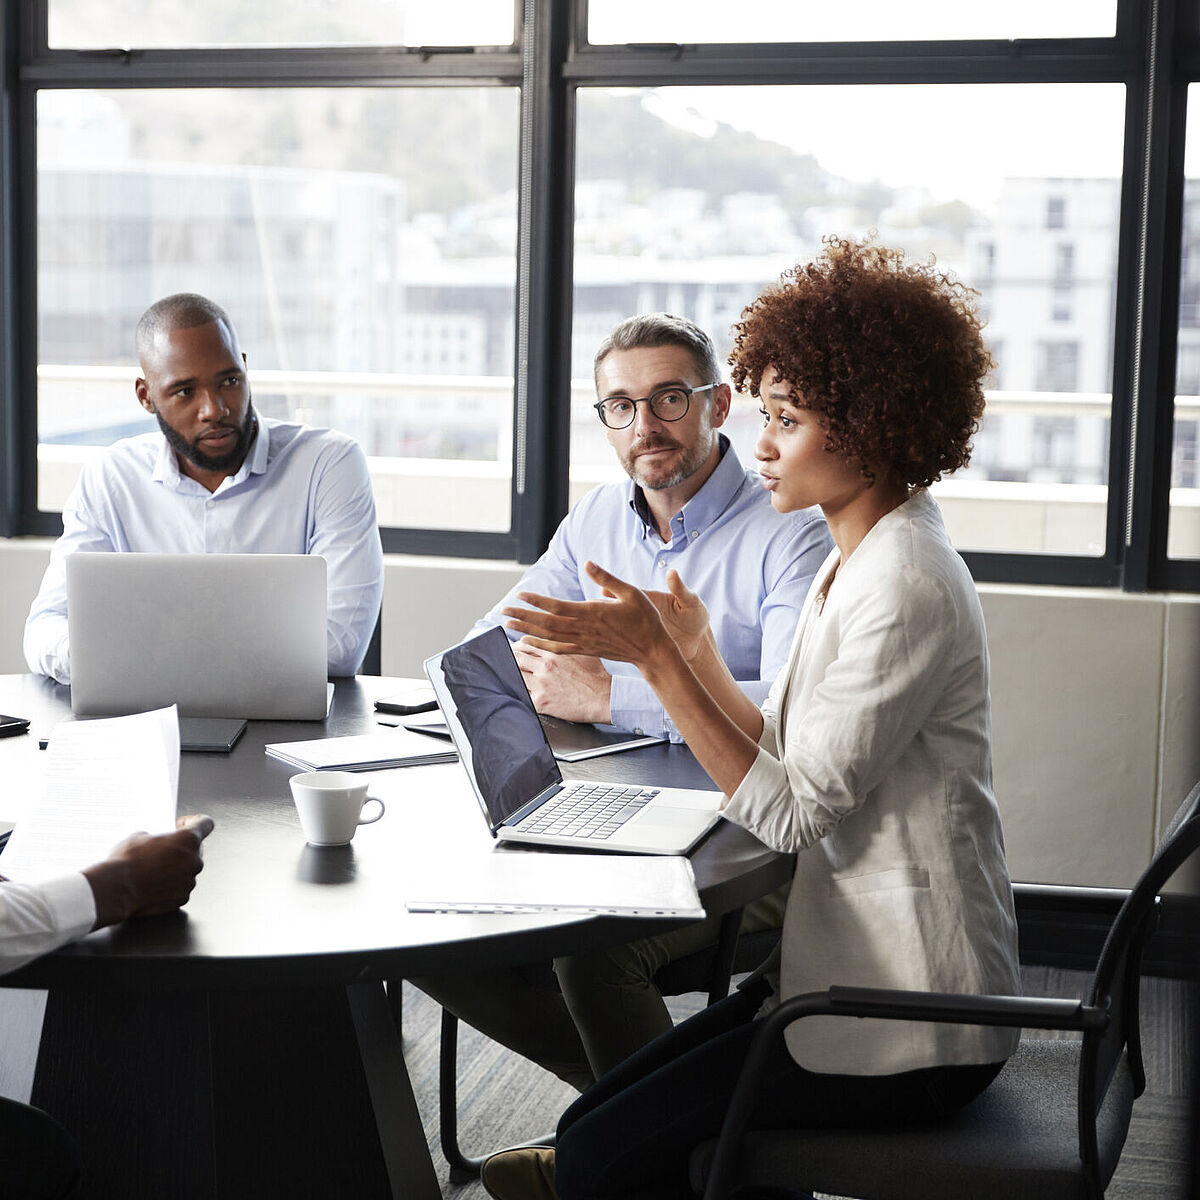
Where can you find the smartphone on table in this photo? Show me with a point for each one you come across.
(415, 700)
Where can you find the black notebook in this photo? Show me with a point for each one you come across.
(208, 735)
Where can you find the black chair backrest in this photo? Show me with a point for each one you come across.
(1118, 972)
(372, 663)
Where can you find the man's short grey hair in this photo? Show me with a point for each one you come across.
(650, 330)
(183, 310)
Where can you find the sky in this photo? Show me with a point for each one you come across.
(960, 141)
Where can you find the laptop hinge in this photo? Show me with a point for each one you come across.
(532, 805)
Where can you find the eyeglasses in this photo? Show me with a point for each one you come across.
(667, 404)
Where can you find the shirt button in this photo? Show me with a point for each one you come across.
(211, 504)
(662, 566)
(695, 533)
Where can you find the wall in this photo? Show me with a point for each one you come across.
(1095, 694)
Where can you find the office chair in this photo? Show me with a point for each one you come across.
(372, 663)
(707, 970)
(1051, 1125)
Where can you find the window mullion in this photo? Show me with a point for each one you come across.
(1151, 393)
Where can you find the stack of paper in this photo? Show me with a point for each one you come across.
(364, 752)
(104, 780)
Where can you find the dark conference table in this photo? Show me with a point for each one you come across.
(244, 1046)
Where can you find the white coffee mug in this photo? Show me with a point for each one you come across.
(330, 805)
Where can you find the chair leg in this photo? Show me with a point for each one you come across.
(727, 943)
(463, 1167)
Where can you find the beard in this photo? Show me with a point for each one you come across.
(685, 465)
(232, 458)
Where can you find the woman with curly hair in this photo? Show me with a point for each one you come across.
(871, 757)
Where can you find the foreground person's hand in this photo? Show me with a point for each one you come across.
(146, 875)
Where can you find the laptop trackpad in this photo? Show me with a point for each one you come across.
(665, 817)
(688, 801)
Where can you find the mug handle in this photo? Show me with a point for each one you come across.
(370, 820)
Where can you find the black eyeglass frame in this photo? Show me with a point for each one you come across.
(649, 402)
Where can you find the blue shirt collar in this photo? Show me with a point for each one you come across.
(706, 505)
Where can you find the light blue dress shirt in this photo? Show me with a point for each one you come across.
(300, 491)
(750, 565)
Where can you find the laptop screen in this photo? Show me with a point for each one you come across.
(505, 750)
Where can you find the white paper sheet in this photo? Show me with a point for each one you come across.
(103, 780)
(526, 881)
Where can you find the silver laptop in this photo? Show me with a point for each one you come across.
(220, 635)
(516, 779)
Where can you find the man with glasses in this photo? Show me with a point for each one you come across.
(691, 505)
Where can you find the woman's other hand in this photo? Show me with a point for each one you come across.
(683, 615)
(626, 626)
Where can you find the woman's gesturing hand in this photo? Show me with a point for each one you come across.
(626, 626)
(683, 615)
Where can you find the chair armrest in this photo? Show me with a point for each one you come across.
(888, 1004)
(957, 1008)
(1103, 901)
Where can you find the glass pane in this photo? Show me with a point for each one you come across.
(693, 199)
(1183, 531)
(92, 24)
(615, 21)
(369, 275)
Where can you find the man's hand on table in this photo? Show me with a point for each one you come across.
(575, 688)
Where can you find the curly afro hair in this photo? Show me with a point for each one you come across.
(888, 354)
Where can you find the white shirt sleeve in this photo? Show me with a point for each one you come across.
(38, 918)
(45, 645)
(346, 535)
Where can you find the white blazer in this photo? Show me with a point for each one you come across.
(875, 765)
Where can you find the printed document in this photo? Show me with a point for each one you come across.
(103, 780)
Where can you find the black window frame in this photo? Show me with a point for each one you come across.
(1155, 52)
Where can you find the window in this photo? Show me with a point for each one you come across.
(371, 281)
(1064, 260)
(614, 21)
(662, 222)
(425, 217)
(1183, 539)
(87, 24)
(1057, 366)
(1060, 307)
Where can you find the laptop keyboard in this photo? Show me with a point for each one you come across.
(591, 811)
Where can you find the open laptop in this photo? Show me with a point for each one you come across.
(220, 635)
(503, 747)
